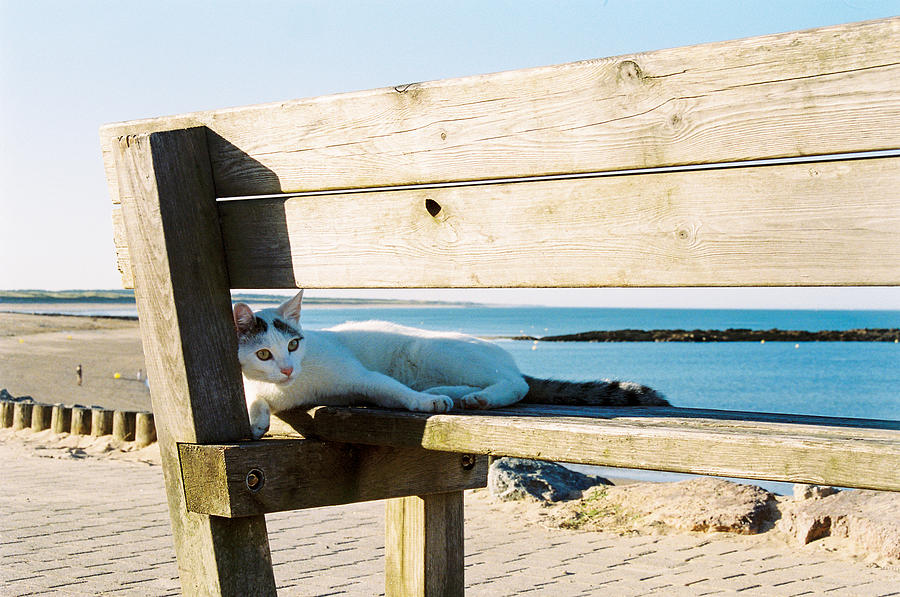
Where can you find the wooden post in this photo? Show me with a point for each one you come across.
(184, 308)
(81, 420)
(41, 415)
(123, 425)
(424, 546)
(6, 413)
(101, 422)
(61, 419)
(22, 415)
(144, 429)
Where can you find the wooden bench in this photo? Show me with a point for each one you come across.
(681, 167)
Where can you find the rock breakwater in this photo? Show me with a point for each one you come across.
(729, 335)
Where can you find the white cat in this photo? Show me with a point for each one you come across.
(393, 366)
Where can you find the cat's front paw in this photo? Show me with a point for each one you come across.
(258, 430)
(434, 404)
(259, 413)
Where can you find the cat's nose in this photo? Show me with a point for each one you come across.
(287, 371)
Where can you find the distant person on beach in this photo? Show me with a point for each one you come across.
(78, 376)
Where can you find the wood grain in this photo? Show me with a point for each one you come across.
(190, 348)
(6, 413)
(22, 415)
(123, 256)
(424, 546)
(61, 419)
(309, 474)
(817, 92)
(123, 425)
(822, 91)
(144, 429)
(818, 450)
(829, 223)
(101, 422)
(41, 415)
(81, 420)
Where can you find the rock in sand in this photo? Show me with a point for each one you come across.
(870, 519)
(519, 478)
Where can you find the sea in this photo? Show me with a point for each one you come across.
(842, 379)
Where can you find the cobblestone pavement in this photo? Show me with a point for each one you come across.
(94, 526)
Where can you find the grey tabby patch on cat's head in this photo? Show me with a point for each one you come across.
(270, 341)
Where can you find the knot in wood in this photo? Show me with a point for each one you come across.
(629, 71)
(687, 234)
(409, 92)
(433, 207)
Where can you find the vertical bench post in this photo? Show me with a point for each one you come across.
(183, 301)
(424, 546)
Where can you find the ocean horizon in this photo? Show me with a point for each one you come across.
(493, 320)
(842, 379)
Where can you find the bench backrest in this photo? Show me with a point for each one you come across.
(699, 118)
(647, 170)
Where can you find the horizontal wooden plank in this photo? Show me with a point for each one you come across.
(814, 224)
(250, 478)
(829, 90)
(819, 450)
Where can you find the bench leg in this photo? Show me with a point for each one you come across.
(222, 557)
(424, 546)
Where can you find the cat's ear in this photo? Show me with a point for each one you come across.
(290, 310)
(244, 319)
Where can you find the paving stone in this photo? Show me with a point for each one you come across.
(59, 537)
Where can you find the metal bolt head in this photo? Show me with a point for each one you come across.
(255, 480)
(467, 462)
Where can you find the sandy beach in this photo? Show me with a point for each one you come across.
(39, 354)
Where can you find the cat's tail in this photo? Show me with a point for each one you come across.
(591, 393)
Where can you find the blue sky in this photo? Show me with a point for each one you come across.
(68, 67)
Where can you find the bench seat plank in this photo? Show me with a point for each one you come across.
(820, 450)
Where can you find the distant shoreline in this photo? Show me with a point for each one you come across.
(624, 335)
(109, 308)
(124, 299)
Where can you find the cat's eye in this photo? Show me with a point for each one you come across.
(263, 354)
(293, 344)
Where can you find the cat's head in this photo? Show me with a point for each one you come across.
(270, 342)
